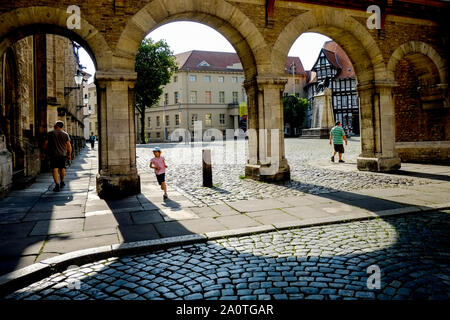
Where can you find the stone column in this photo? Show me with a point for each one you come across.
(117, 175)
(266, 161)
(377, 128)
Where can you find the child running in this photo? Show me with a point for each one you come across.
(159, 164)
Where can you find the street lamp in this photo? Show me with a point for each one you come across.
(78, 78)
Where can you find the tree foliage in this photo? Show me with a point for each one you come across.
(155, 65)
(295, 110)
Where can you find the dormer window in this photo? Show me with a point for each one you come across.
(203, 64)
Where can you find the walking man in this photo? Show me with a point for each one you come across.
(337, 135)
(92, 140)
(58, 147)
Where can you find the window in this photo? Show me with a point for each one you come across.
(194, 118)
(234, 79)
(208, 119)
(355, 100)
(207, 78)
(297, 81)
(192, 78)
(344, 101)
(193, 97)
(235, 97)
(85, 95)
(167, 120)
(177, 119)
(158, 134)
(176, 96)
(158, 121)
(149, 135)
(222, 118)
(221, 96)
(221, 79)
(149, 121)
(166, 98)
(175, 79)
(90, 108)
(207, 96)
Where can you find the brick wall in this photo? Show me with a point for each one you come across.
(412, 123)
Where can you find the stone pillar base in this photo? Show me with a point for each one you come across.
(118, 186)
(378, 164)
(254, 172)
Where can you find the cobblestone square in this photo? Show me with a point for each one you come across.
(320, 263)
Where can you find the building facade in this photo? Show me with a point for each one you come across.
(334, 64)
(208, 87)
(37, 88)
(90, 102)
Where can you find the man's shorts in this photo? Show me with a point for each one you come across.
(339, 148)
(161, 178)
(58, 162)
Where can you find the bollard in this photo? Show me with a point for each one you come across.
(207, 169)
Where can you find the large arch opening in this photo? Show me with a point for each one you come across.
(422, 116)
(373, 83)
(39, 64)
(221, 16)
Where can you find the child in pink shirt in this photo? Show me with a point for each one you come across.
(159, 164)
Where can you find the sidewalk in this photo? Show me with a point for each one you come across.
(37, 223)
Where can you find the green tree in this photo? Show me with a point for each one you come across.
(155, 65)
(295, 111)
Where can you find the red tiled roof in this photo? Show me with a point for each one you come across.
(218, 61)
(337, 56)
(222, 61)
(298, 65)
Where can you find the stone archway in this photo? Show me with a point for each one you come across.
(422, 48)
(118, 171)
(374, 82)
(226, 19)
(421, 100)
(19, 23)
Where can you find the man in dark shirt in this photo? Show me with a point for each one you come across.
(59, 149)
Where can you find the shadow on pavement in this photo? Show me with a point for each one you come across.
(411, 251)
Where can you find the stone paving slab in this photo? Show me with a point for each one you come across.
(107, 221)
(237, 221)
(61, 245)
(148, 216)
(57, 226)
(257, 205)
(306, 212)
(275, 217)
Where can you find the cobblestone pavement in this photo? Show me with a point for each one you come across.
(323, 262)
(302, 155)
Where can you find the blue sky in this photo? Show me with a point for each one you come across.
(185, 36)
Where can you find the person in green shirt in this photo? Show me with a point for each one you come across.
(337, 137)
